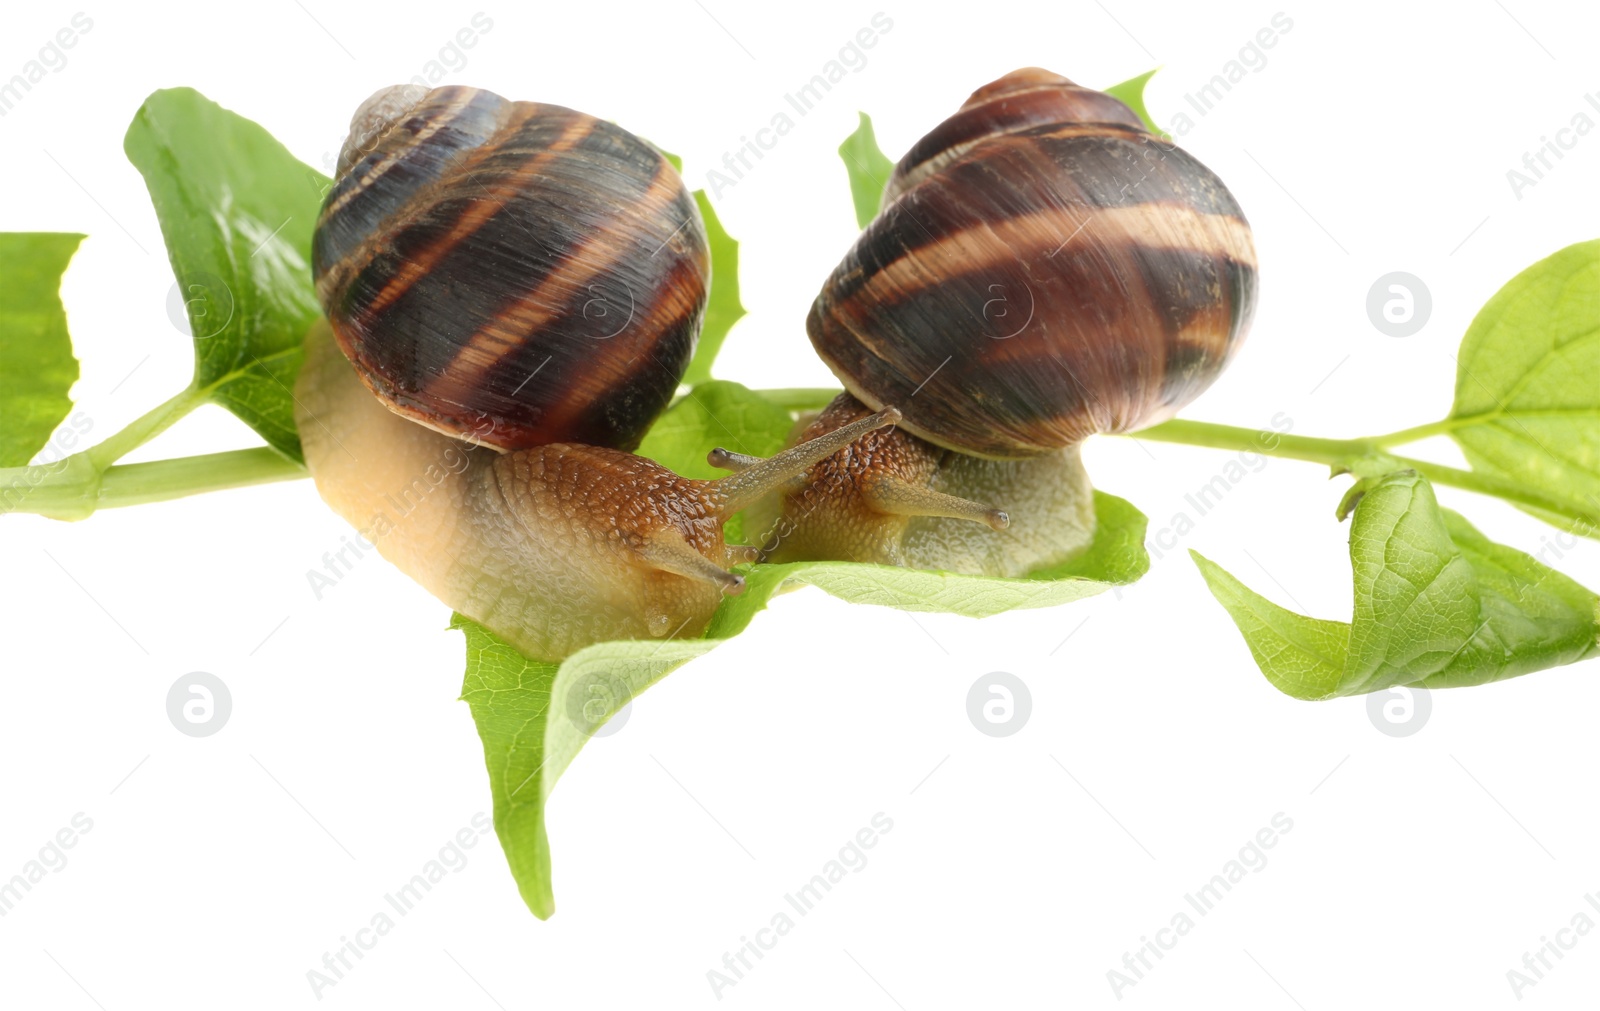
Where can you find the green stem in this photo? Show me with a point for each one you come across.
(1499, 487)
(1295, 447)
(75, 486)
(144, 428)
(1405, 435)
(71, 490)
(163, 480)
(1348, 454)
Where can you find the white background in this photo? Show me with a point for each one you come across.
(1418, 870)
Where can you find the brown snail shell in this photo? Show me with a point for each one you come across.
(511, 273)
(1043, 269)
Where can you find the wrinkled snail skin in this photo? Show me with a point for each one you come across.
(527, 543)
(513, 292)
(1042, 269)
(843, 507)
(554, 547)
(893, 499)
(419, 497)
(487, 259)
(1048, 500)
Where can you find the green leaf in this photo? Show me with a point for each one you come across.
(723, 308)
(1436, 604)
(534, 717)
(237, 212)
(37, 368)
(1101, 568)
(1303, 657)
(868, 168)
(1131, 94)
(510, 696)
(1527, 403)
(1117, 556)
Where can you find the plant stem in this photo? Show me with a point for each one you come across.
(144, 428)
(75, 486)
(1405, 435)
(162, 480)
(1295, 447)
(1348, 454)
(1511, 491)
(71, 489)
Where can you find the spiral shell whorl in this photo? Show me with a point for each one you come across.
(1022, 99)
(511, 273)
(1043, 269)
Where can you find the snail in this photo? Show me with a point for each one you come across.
(1043, 268)
(512, 294)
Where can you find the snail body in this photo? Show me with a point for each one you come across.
(466, 405)
(554, 547)
(1042, 269)
(894, 499)
(1049, 507)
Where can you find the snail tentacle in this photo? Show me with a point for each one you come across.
(763, 477)
(896, 496)
(666, 549)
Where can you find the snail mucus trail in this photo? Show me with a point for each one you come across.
(456, 254)
(1042, 269)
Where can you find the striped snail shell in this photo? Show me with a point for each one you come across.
(511, 273)
(1043, 268)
